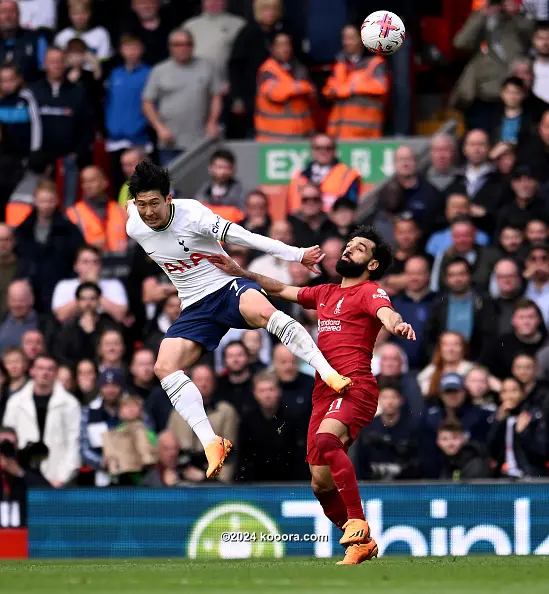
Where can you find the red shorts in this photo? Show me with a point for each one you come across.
(355, 409)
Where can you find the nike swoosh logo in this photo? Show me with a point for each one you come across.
(149, 253)
(322, 305)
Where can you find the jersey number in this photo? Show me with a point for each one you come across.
(336, 404)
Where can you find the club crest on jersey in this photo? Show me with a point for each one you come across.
(337, 310)
(181, 242)
(381, 294)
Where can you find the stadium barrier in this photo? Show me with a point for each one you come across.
(275, 521)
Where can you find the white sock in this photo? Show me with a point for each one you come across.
(299, 342)
(187, 401)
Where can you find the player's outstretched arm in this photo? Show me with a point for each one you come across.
(269, 285)
(309, 257)
(394, 324)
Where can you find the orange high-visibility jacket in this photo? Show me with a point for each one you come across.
(359, 93)
(283, 103)
(229, 213)
(335, 185)
(109, 235)
(16, 213)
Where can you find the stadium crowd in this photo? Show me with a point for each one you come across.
(83, 311)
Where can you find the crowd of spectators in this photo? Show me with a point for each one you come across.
(83, 311)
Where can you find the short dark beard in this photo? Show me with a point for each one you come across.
(350, 269)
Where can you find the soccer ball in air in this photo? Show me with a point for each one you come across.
(383, 33)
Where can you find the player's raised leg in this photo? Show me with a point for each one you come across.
(176, 354)
(259, 313)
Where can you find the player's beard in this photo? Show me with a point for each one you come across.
(350, 269)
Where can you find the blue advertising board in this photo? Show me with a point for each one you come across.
(274, 521)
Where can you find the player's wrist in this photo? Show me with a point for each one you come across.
(300, 254)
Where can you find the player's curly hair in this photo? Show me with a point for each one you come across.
(382, 251)
(148, 177)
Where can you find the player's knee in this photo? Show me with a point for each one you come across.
(327, 443)
(162, 369)
(319, 485)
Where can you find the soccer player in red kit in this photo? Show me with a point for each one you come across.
(350, 316)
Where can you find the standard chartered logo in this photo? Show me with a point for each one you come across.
(206, 540)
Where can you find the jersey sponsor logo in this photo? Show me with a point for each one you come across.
(337, 310)
(381, 294)
(329, 326)
(216, 225)
(181, 265)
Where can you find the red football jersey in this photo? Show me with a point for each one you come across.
(347, 328)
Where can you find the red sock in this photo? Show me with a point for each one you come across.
(333, 505)
(343, 473)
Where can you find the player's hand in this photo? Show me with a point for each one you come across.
(405, 330)
(226, 264)
(312, 257)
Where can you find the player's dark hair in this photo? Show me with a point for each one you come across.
(450, 425)
(85, 286)
(514, 81)
(457, 260)
(382, 251)
(148, 177)
(224, 155)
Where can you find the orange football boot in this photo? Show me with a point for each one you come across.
(357, 553)
(216, 453)
(356, 532)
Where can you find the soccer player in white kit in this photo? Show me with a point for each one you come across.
(180, 236)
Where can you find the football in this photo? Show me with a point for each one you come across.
(383, 33)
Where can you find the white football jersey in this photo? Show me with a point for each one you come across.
(182, 247)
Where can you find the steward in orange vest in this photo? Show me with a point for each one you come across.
(336, 180)
(283, 106)
(358, 88)
(102, 221)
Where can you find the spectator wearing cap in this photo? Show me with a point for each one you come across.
(23, 47)
(43, 411)
(526, 202)
(186, 80)
(99, 417)
(78, 337)
(410, 192)
(450, 404)
(528, 335)
(481, 260)
(537, 275)
(457, 205)
(457, 308)
(414, 303)
(223, 193)
(335, 179)
(442, 171)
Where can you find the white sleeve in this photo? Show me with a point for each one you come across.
(63, 293)
(215, 226)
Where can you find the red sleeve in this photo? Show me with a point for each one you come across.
(374, 299)
(308, 297)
